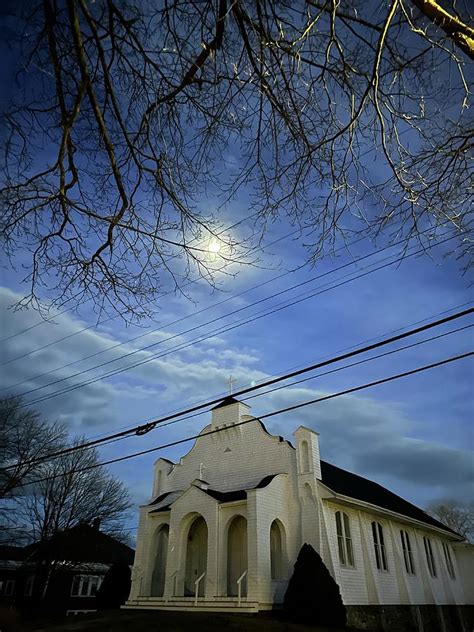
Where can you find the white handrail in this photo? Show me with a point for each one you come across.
(196, 587)
(173, 578)
(239, 587)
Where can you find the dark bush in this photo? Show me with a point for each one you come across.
(312, 595)
(115, 588)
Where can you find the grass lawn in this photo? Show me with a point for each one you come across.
(159, 621)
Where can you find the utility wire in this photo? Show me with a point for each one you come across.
(266, 416)
(69, 309)
(149, 426)
(147, 333)
(208, 335)
(175, 322)
(106, 441)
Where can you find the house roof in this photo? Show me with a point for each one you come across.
(349, 484)
(82, 543)
(12, 553)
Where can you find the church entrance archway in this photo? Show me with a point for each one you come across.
(159, 570)
(196, 557)
(236, 555)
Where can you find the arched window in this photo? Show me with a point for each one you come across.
(379, 546)
(429, 556)
(158, 478)
(407, 553)
(344, 540)
(304, 454)
(161, 554)
(276, 551)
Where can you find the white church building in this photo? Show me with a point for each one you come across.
(226, 523)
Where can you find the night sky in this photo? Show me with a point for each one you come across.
(414, 435)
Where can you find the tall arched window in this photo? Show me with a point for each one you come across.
(158, 479)
(304, 454)
(379, 546)
(344, 540)
(407, 553)
(430, 560)
(276, 550)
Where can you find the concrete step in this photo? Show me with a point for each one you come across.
(187, 604)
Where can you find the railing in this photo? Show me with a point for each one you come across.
(174, 578)
(239, 587)
(196, 587)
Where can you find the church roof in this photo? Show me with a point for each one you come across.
(227, 402)
(348, 484)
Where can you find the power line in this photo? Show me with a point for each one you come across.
(266, 416)
(147, 333)
(145, 428)
(217, 331)
(47, 320)
(107, 441)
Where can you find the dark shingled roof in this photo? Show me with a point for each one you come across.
(348, 484)
(159, 498)
(226, 402)
(82, 543)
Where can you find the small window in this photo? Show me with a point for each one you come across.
(29, 585)
(85, 585)
(407, 553)
(344, 541)
(304, 451)
(449, 561)
(379, 546)
(429, 556)
(9, 587)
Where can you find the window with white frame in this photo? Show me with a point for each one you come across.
(9, 587)
(429, 556)
(449, 561)
(85, 585)
(30, 580)
(379, 546)
(407, 553)
(344, 541)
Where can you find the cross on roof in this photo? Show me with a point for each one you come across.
(230, 382)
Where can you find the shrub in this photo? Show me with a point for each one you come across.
(312, 595)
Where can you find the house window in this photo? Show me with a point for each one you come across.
(429, 556)
(30, 580)
(9, 587)
(449, 562)
(379, 546)
(407, 553)
(85, 585)
(344, 541)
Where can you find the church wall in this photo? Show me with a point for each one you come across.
(277, 501)
(235, 458)
(365, 584)
(351, 580)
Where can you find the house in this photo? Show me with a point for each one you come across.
(225, 525)
(63, 574)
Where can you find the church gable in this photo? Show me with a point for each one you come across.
(238, 456)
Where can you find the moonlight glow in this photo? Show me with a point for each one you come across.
(214, 247)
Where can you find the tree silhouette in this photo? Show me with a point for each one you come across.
(312, 595)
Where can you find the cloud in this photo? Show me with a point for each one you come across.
(360, 433)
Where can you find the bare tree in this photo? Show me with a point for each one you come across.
(456, 515)
(131, 114)
(73, 490)
(24, 438)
